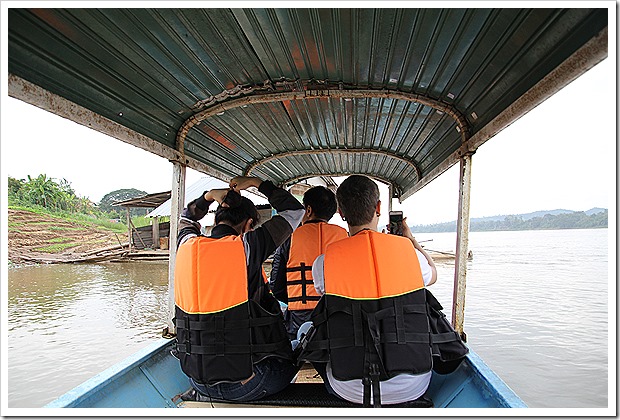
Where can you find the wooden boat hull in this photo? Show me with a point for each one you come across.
(152, 378)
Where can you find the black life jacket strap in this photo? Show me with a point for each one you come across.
(386, 338)
(187, 336)
(366, 382)
(358, 325)
(230, 349)
(307, 298)
(213, 349)
(376, 353)
(303, 269)
(446, 337)
(228, 324)
(406, 309)
(376, 385)
(219, 335)
(408, 338)
(373, 361)
(371, 381)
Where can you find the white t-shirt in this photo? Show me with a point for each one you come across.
(399, 389)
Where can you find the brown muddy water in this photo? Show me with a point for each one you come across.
(536, 312)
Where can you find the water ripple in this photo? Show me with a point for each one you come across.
(536, 312)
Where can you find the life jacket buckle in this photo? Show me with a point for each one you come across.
(376, 385)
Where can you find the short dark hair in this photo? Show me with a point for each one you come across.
(322, 201)
(240, 209)
(357, 199)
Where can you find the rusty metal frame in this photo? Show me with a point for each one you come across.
(229, 104)
(395, 188)
(283, 155)
(462, 246)
(176, 207)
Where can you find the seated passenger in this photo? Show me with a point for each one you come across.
(291, 273)
(371, 325)
(231, 340)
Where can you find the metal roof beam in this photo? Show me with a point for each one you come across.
(397, 188)
(229, 104)
(282, 155)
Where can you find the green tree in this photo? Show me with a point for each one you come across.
(107, 202)
(48, 193)
(42, 191)
(15, 188)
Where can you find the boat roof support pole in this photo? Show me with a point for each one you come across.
(128, 228)
(176, 207)
(390, 195)
(155, 231)
(462, 245)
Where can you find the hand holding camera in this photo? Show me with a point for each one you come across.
(396, 223)
(398, 226)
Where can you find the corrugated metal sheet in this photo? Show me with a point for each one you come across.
(238, 90)
(145, 201)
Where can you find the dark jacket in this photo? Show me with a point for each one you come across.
(222, 345)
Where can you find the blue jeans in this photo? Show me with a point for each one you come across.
(321, 369)
(271, 375)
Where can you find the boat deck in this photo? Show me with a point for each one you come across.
(152, 378)
(308, 390)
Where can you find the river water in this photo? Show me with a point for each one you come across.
(536, 312)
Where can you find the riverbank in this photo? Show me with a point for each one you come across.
(34, 237)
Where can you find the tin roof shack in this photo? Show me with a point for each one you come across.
(146, 237)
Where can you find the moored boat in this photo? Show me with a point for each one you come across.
(445, 256)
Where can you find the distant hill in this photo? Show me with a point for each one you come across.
(528, 216)
(543, 219)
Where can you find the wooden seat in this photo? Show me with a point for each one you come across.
(312, 394)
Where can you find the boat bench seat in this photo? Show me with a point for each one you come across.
(306, 395)
(316, 395)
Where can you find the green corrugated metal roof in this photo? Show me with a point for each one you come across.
(289, 93)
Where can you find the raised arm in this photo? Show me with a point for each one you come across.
(407, 233)
(271, 234)
(195, 211)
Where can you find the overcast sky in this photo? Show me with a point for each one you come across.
(560, 155)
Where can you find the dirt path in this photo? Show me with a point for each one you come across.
(33, 236)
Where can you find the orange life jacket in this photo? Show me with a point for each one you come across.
(376, 319)
(225, 259)
(307, 242)
(221, 333)
(372, 322)
(372, 265)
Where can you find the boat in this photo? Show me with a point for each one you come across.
(288, 94)
(152, 378)
(444, 256)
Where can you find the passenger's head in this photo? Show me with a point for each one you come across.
(237, 211)
(358, 197)
(320, 203)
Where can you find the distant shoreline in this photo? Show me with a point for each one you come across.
(505, 230)
(562, 219)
